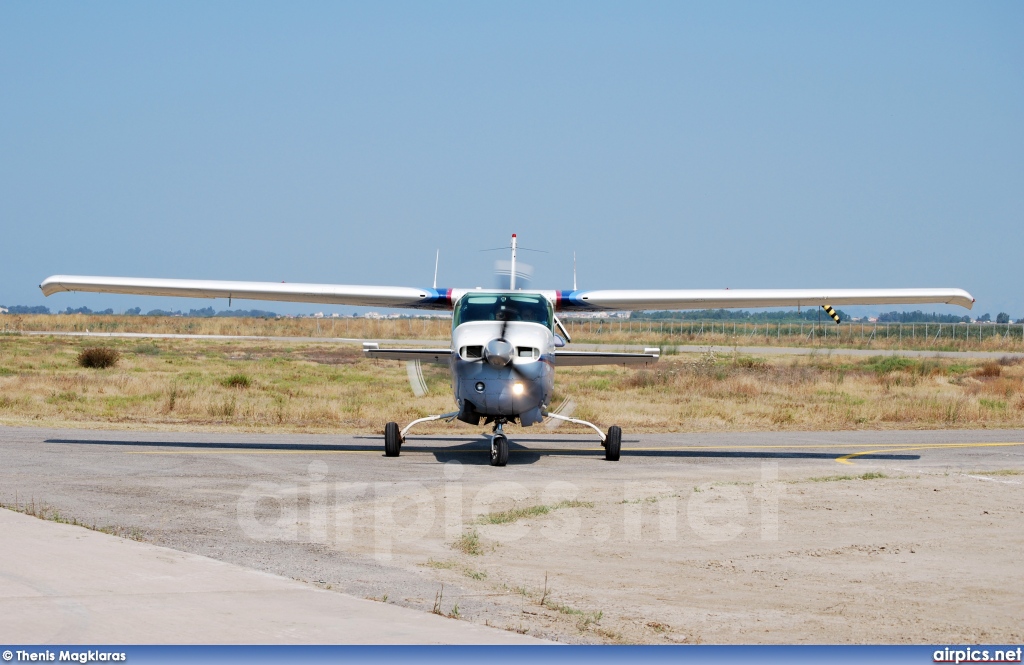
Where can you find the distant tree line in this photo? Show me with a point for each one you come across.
(206, 312)
(811, 314)
(917, 316)
(22, 309)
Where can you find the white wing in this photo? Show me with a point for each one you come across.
(331, 294)
(728, 298)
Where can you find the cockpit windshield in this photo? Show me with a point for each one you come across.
(530, 307)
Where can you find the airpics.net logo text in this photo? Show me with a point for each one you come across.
(975, 655)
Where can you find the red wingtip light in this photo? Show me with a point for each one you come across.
(513, 235)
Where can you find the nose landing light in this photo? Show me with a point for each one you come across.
(517, 388)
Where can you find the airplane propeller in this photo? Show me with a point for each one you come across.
(499, 352)
(566, 408)
(414, 371)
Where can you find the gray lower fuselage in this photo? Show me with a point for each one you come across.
(520, 389)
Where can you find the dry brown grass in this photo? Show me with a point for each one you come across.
(275, 386)
(420, 328)
(611, 331)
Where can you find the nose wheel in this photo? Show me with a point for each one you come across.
(499, 450)
(499, 446)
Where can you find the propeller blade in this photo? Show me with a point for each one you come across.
(566, 408)
(414, 371)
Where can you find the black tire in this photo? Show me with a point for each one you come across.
(499, 451)
(613, 443)
(392, 440)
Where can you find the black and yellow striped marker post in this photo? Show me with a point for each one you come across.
(831, 312)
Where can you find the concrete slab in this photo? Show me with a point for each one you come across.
(69, 585)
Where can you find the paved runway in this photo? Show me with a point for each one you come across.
(252, 499)
(570, 454)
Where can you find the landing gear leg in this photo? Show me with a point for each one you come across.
(393, 438)
(499, 446)
(612, 442)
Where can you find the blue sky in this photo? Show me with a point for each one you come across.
(670, 145)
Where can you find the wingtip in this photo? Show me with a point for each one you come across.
(51, 285)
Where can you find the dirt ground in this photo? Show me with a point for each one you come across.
(908, 558)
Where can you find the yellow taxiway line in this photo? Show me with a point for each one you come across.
(845, 459)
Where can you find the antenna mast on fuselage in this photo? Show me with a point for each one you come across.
(512, 272)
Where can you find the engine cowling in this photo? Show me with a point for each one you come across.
(498, 352)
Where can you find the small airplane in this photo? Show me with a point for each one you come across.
(506, 343)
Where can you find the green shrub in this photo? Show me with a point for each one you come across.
(894, 364)
(237, 381)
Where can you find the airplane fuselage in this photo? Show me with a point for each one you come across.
(503, 356)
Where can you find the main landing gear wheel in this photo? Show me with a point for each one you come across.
(613, 443)
(392, 440)
(499, 450)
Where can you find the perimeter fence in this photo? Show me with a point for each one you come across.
(938, 336)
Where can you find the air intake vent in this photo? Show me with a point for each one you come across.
(472, 352)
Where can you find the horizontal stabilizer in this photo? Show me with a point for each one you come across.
(371, 350)
(581, 358)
